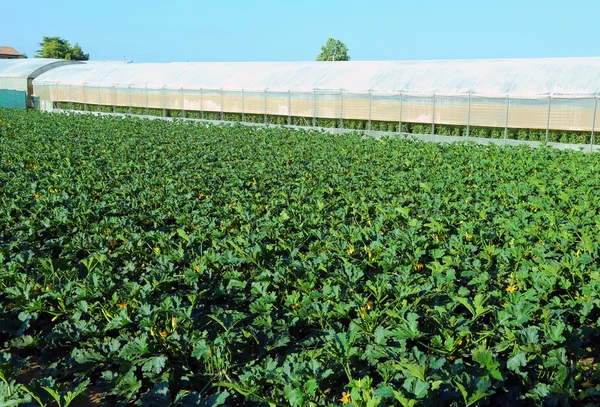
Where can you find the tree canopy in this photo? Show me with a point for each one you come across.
(334, 50)
(56, 47)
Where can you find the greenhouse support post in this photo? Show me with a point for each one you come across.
(201, 104)
(221, 104)
(70, 98)
(146, 100)
(506, 119)
(469, 116)
(98, 97)
(289, 107)
(129, 99)
(314, 108)
(370, 107)
(114, 99)
(182, 104)
(594, 122)
(163, 101)
(400, 118)
(548, 118)
(243, 97)
(56, 96)
(84, 99)
(341, 109)
(432, 116)
(265, 106)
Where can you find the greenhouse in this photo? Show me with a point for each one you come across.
(491, 97)
(16, 77)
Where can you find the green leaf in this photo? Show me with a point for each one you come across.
(127, 385)
(556, 357)
(311, 386)
(413, 370)
(181, 233)
(420, 389)
(201, 350)
(517, 361)
(293, 396)
(404, 401)
(409, 328)
(487, 359)
(155, 364)
(218, 399)
(384, 392)
(135, 349)
(380, 335)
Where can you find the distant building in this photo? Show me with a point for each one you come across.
(9, 53)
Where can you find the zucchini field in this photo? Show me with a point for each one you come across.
(147, 262)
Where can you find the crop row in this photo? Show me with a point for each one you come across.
(557, 136)
(154, 263)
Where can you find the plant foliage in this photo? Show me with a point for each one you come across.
(185, 263)
(59, 48)
(334, 50)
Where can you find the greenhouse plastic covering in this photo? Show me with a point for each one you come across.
(15, 72)
(521, 93)
(518, 77)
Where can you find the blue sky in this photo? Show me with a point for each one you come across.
(161, 31)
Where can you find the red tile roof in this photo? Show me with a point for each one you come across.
(9, 51)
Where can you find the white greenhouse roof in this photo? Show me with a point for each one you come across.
(29, 68)
(519, 77)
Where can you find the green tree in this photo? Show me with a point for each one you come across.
(334, 50)
(56, 47)
(23, 56)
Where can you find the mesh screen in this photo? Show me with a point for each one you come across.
(137, 97)
(76, 93)
(528, 113)
(191, 100)
(254, 103)
(42, 92)
(49, 92)
(488, 112)
(302, 103)
(417, 109)
(571, 114)
(327, 105)
(278, 103)
(384, 107)
(172, 99)
(106, 96)
(232, 101)
(597, 121)
(451, 109)
(155, 98)
(9, 83)
(91, 94)
(565, 114)
(60, 93)
(355, 106)
(211, 100)
(121, 97)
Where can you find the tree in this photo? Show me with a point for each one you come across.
(56, 47)
(23, 56)
(334, 50)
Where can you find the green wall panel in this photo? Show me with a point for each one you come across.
(13, 99)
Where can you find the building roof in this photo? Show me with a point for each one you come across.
(9, 51)
(514, 77)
